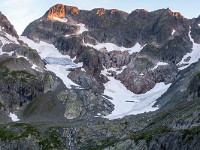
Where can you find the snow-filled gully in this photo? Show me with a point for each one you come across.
(127, 103)
(193, 56)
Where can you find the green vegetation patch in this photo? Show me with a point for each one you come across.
(1, 105)
(4, 70)
(54, 139)
(6, 134)
(147, 135)
(22, 75)
(189, 134)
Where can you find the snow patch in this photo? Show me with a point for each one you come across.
(82, 28)
(173, 32)
(194, 55)
(112, 47)
(127, 103)
(44, 49)
(60, 19)
(14, 117)
(7, 40)
(61, 72)
(199, 24)
(159, 64)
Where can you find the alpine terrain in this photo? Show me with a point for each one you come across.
(100, 79)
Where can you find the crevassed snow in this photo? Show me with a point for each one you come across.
(127, 103)
(194, 55)
(111, 47)
(46, 51)
(59, 61)
(60, 19)
(173, 32)
(159, 64)
(14, 117)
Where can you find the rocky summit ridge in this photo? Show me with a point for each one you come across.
(100, 79)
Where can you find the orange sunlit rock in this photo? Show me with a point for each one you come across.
(57, 11)
(73, 10)
(116, 10)
(138, 10)
(176, 14)
(101, 11)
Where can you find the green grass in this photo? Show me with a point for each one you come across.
(53, 139)
(6, 134)
(27, 130)
(4, 70)
(190, 133)
(20, 74)
(1, 105)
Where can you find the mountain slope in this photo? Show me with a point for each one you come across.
(141, 49)
(73, 68)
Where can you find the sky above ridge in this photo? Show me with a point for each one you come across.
(22, 12)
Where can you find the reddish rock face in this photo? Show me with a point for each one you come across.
(60, 11)
(56, 11)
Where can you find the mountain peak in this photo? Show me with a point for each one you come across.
(6, 26)
(101, 11)
(175, 14)
(141, 10)
(56, 11)
(60, 11)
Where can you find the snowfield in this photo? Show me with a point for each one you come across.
(194, 55)
(127, 103)
(82, 28)
(112, 47)
(6, 39)
(62, 73)
(57, 63)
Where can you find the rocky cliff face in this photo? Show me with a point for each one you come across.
(6, 26)
(162, 34)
